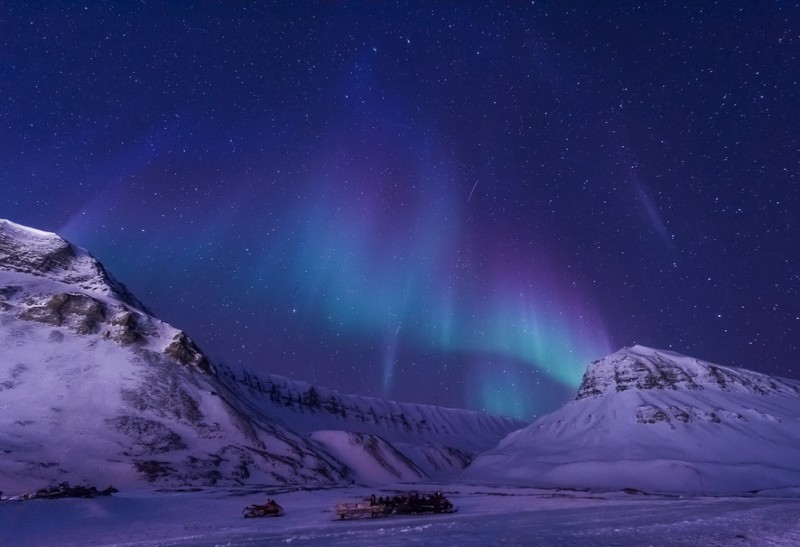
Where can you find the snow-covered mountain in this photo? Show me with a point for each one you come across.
(438, 440)
(658, 421)
(94, 388)
(382, 440)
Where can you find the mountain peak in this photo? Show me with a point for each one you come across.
(643, 368)
(32, 251)
(658, 421)
(46, 255)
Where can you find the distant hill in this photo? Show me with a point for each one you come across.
(655, 420)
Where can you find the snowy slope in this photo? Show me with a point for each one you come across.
(308, 408)
(94, 388)
(487, 516)
(439, 442)
(659, 421)
(373, 460)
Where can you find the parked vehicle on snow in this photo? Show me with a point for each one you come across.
(421, 504)
(412, 503)
(369, 508)
(269, 509)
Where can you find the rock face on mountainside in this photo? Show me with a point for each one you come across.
(94, 388)
(659, 421)
(45, 255)
(438, 442)
(640, 368)
(310, 408)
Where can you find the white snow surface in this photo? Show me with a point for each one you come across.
(660, 422)
(488, 515)
(90, 394)
(93, 389)
(47, 256)
(374, 460)
(307, 408)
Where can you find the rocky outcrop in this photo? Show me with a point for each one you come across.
(82, 314)
(126, 328)
(29, 251)
(79, 312)
(46, 255)
(640, 368)
(186, 351)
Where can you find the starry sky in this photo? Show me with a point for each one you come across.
(457, 203)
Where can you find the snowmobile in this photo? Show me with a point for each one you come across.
(269, 509)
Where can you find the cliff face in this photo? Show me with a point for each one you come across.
(641, 368)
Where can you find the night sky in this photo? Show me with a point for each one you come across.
(456, 203)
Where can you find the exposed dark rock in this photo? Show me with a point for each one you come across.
(128, 328)
(680, 414)
(57, 254)
(184, 350)
(154, 469)
(79, 312)
(644, 369)
(649, 414)
(147, 436)
(5, 294)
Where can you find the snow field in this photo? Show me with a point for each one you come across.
(487, 516)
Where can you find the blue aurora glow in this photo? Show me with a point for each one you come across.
(379, 252)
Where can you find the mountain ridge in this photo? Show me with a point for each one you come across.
(639, 367)
(94, 387)
(46, 254)
(659, 421)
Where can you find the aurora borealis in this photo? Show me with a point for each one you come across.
(449, 203)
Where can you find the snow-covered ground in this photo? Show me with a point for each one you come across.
(487, 516)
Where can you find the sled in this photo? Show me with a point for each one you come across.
(259, 511)
(444, 509)
(361, 509)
